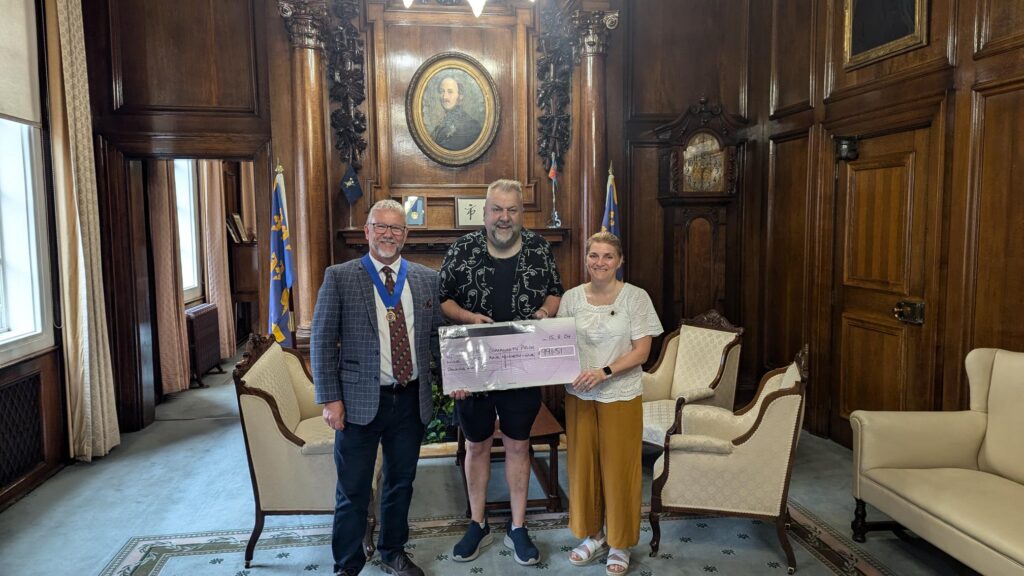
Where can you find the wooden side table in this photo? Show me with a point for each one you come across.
(545, 430)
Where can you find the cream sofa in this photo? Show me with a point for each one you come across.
(289, 446)
(955, 479)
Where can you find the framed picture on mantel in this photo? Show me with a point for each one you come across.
(469, 212)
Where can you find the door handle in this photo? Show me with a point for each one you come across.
(909, 312)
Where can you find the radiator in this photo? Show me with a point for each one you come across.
(203, 340)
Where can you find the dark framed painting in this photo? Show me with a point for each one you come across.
(452, 109)
(877, 29)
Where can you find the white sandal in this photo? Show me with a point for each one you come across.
(617, 557)
(588, 551)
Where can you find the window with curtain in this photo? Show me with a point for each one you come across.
(26, 309)
(186, 191)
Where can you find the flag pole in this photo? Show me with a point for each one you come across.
(555, 221)
(351, 208)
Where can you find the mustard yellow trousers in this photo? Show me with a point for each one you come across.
(605, 442)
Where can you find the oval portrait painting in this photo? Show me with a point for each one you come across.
(452, 109)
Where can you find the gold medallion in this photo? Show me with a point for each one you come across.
(391, 316)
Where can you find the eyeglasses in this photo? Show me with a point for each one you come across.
(397, 230)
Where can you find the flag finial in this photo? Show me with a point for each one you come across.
(278, 169)
(610, 172)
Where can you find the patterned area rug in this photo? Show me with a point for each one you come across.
(690, 545)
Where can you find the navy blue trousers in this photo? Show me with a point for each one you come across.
(397, 427)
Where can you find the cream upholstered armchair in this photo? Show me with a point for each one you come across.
(735, 464)
(697, 365)
(289, 446)
(955, 478)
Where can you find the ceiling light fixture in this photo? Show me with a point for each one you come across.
(476, 5)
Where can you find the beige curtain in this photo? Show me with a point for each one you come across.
(248, 181)
(170, 298)
(92, 411)
(218, 276)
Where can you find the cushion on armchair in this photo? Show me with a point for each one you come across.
(317, 435)
(658, 418)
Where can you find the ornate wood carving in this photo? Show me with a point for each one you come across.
(803, 362)
(712, 319)
(346, 76)
(306, 21)
(697, 116)
(254, 348)
(592, 28)
(554, 90)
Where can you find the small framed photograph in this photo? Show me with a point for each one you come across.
(239, 227)
(469, 212)
(415, 210)
(232, 232)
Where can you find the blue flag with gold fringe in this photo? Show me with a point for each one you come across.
(281, 323)
(610, 221)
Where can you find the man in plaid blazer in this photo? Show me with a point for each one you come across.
(374, 334)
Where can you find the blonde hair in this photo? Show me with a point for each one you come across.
(505, 185)
(388, 205)
(608, 238)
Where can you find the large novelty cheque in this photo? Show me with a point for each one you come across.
(503, 355)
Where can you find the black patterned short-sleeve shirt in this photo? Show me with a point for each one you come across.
(467, 275)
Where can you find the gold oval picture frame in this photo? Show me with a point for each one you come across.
(452, 109)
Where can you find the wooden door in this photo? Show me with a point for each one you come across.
(886, 256)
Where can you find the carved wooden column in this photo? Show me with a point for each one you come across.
(307, 24)
(592, 29)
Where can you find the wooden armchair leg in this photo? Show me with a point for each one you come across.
(655, 532)
(781, 524)
(257, 529)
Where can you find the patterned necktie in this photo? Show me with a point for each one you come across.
(401, 354)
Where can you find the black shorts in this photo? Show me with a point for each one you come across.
(515, 409)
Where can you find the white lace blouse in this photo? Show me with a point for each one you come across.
(605, 333)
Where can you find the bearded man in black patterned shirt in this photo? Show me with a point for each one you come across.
(499, 274)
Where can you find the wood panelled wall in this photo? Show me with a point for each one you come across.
(167, 79)
(923, 215)
(825, 248)
(502, 40)
(665, 57)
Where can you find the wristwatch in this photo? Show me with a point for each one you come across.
(607, 370)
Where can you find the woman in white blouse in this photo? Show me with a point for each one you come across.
(615, 322)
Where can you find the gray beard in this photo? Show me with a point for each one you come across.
(504, 244)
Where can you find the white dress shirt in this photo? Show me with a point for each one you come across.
(387, 377)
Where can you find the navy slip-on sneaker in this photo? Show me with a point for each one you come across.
(473, 542)
(519, 542)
